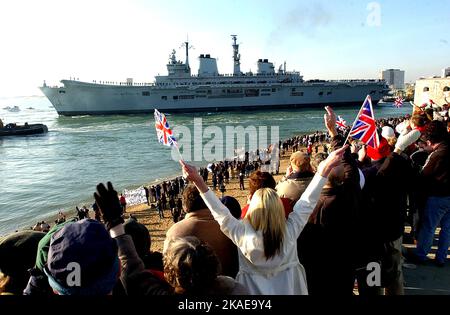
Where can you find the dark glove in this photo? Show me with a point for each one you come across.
(109, 205)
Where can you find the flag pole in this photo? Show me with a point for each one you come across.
(354, 122)
(178, 150)
(349, 134)
(414, 105)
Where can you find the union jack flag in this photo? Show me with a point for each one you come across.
(341, 123)
(399, 102)
(364, 128)
(165, 135)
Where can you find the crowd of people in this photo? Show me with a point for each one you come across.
(166, 196)
(311, 142)
(340, 207)
(222, 171)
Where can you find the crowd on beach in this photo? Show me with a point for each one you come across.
(166, 195)
(340, 207)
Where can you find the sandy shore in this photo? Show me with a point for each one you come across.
(158, 227)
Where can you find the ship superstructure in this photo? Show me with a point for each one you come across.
(208, 90)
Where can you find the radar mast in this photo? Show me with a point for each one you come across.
(236, 56)
(187, 47)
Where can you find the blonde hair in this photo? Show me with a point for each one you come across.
(392, 141)
(266, 214)
(4, 281)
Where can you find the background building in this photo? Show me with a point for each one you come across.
(446, 72)
(395, 78)
(435, 89)
(409, 91)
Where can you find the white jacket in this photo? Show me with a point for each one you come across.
(282, 274)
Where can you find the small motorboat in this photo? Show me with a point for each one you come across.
(22, 130)
(12, 109)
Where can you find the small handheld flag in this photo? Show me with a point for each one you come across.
(399, 102)
(341, 123)
(364, 128)
(165, 135)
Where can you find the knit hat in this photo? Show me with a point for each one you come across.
(387, 132)
(86, 244)
(18, 254)
(18, 251)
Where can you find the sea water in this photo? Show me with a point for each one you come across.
(42, 174)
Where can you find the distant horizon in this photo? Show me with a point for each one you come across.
(20, 96)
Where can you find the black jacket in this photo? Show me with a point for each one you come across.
(435, 175)
(388, 182)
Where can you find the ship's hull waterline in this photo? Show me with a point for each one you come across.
(81, 98)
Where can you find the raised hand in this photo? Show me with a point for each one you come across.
(109, 205)
(354, 148)
(332, 161)
(330, 121)
(406, 139)
(190, 173)
(362, 153)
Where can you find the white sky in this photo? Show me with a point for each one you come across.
(113, 40)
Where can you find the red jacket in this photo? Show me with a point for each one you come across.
(288, 208)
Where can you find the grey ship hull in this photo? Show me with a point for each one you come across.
(81, 98)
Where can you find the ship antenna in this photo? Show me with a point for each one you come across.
(236, 56)
(187, 47)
